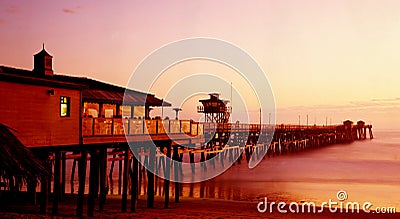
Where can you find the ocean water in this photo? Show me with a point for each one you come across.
(366, 170)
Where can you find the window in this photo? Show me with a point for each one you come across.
(91, 110)
(139, 111)
(65, 106)
(108, 113)
(125, 111)
(108, 110)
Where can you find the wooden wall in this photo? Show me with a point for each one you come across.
(35, 114)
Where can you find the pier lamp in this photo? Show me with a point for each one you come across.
(177, 112)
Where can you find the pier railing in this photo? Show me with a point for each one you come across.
(122, 126)
(130, 126)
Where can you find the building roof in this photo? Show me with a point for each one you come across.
(43, 53)
(92, 90)
(214, 97)
(29, 77)
(129, 97)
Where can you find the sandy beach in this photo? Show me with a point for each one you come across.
(186, 208)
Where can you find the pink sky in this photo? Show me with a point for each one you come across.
(335, 59)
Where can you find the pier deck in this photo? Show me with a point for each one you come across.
(184, 132)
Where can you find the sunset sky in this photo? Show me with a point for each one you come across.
(327, 59)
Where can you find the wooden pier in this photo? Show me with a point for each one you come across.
(235, 141)
(92, 123)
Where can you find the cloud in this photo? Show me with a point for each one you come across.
(387, 100)
(71, 10)
(13, 9)
(374, 104)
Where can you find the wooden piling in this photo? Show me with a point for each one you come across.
(239, 154)
(43, 195)
(82, 177)
(175, 157)
(180, 162)
(57, 186)
(93, 181)
(140, 176)
(44, 187)
(63, 174)
(167, 174)
(202, 187)
(150, 177)
(103, 178)
(191, 190)
(134, 183)
(73, 176)
(125, 180)
(31, 190)
(110, 176)
(371, 136)
(192, 164)
(119, 176)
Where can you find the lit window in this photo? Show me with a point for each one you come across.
(139, 111)
(64, 106)
(125, 111)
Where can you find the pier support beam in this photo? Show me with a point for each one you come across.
(44, 186)
(125, 179)
(93, 181)
(192, 164)
(134, 182)
(82, 176)
(43, 195)
(57, 186)
(175, 157)
(150, 177)
(31, 190)
(119, 176)
(167, 175)
(140, 176)
(63, 174)
(371, 136)
(73, 176)
(110, 175)
(103, 178)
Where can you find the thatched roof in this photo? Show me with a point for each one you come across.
(18, 161)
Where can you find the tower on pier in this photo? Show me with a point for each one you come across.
(215, 109)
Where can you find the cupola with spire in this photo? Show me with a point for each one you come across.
(43, 63)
